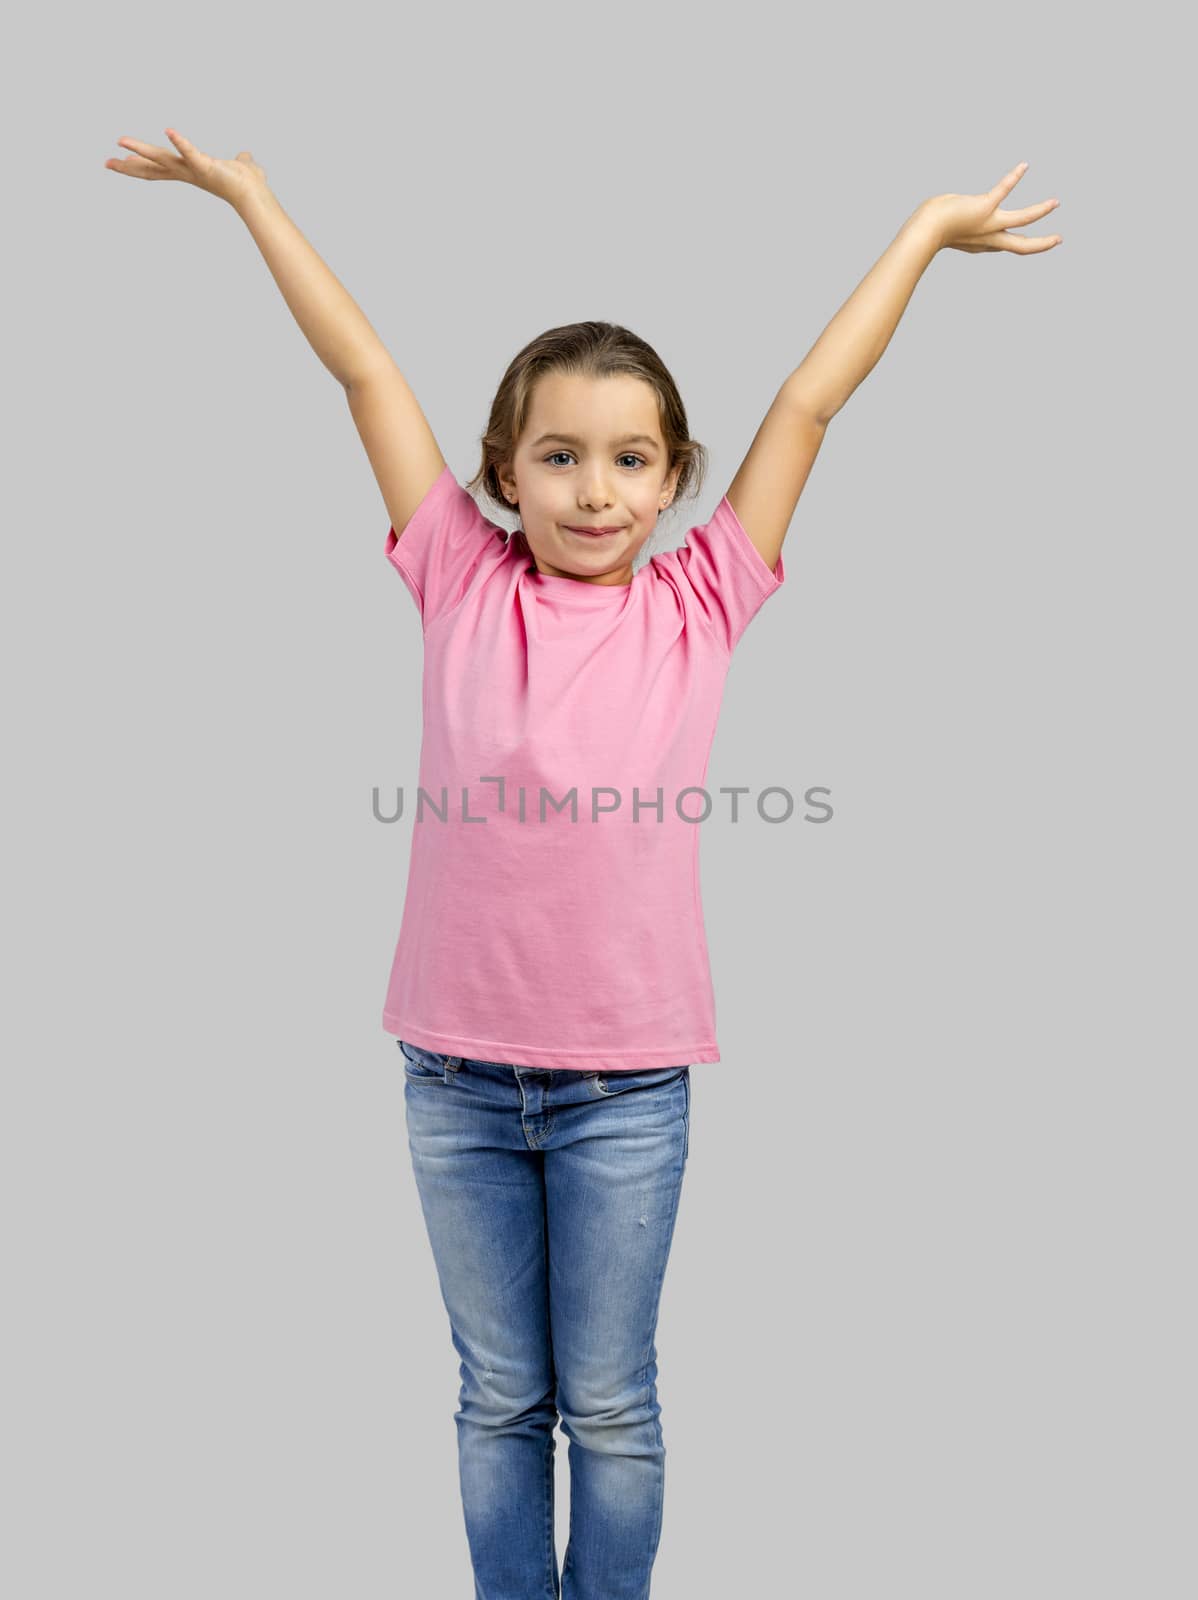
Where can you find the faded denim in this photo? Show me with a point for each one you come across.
(550, 1199)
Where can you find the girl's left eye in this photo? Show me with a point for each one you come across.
(626, 457)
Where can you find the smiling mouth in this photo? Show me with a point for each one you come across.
(592, 533)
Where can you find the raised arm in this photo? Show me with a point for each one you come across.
(403, 452)
(769, 481)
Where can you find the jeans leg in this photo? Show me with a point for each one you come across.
(482, 1191)
(613, 1179)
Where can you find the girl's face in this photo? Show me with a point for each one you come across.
(591, 456)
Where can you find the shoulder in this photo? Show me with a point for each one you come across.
(719, 574)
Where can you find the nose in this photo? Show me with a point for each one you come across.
(596, 496)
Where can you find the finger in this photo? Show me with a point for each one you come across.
(1020, 219)
(136, 167)
(1007, 183)
(1023, 246)
(186, 149)
(150, 152)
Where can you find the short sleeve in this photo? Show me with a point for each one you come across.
(446, 548)
(722, 571)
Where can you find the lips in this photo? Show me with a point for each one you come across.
(593, 533)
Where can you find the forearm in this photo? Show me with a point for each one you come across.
(852, 343)
(328, 315)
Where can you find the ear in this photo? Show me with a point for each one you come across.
(670, 487)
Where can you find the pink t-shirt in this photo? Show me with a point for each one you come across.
(538, 930)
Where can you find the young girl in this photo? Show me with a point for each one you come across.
(551, 986)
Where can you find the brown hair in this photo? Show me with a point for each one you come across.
(592, 350)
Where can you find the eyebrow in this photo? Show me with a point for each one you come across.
(569, 438)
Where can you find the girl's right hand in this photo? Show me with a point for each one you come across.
(228, 180)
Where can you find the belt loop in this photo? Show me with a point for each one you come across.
(453, 1062)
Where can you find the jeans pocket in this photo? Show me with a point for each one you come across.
(651, 1078)
(421, 1063)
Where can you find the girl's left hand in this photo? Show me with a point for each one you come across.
(973, 222)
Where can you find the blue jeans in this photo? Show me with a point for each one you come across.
(550, 1199)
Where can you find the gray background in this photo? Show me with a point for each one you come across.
(924, 1324)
